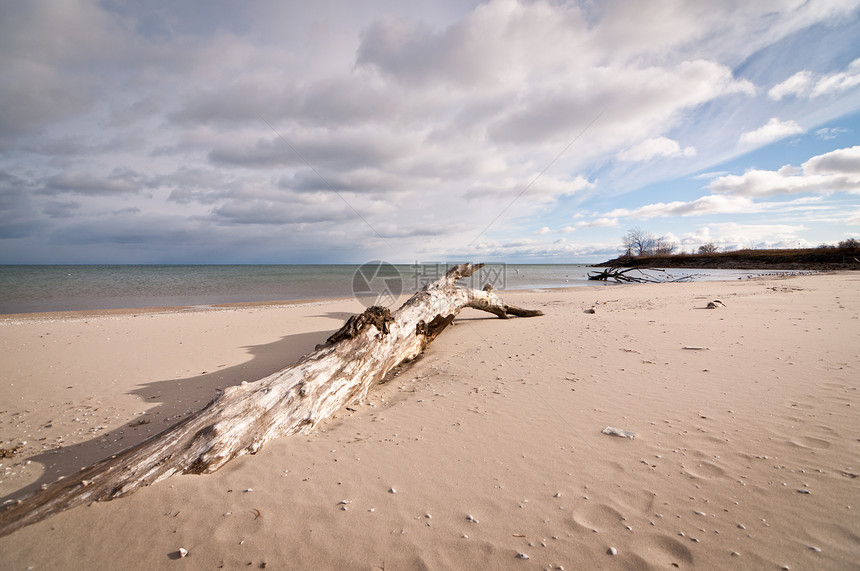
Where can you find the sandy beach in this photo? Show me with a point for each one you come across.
(485, 453)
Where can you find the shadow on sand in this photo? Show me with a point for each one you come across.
(176, 399)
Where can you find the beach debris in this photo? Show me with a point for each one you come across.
(249, 490)
(612, 551)
(591, 310)
(620, 275)
(694, 348)
(522, 556)
(9, 452)
(612, 431)
(392, 491)
(257, 513)
(183, 552)
(803, 491)
(471, 519)
(716, 304)
(815, 549)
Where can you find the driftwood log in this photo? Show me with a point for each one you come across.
(294, 400)
(620, 275)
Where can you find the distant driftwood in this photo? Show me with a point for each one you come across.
(620, 275)
(294, 400)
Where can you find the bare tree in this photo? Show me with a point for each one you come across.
(663, 247)
(849, 244)
(709, 248)
(639, 242)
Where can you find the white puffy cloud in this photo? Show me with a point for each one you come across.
(773, 130)
(736, 236)
(714, 204)
(602, 222)
(655, 148)
(839, 162)
(836, 171)
(798, 84)
(809, 85)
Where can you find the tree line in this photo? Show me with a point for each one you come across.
(639, 242)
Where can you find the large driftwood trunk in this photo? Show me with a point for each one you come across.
(294, 400)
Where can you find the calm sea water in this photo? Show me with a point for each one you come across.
(25, 289)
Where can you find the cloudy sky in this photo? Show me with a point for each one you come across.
(164, 131)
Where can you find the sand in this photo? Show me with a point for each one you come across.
(746, 454)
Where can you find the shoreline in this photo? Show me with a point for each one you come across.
(157, 309)
(169, 309)
(499, 420)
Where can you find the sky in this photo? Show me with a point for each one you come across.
(163, 131)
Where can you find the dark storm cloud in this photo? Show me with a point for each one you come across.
(364, 182)
(344, 150)
(120, 181)
(17, 215)
(414, 231)
(147, 231)
(276, 213)
(57, 209)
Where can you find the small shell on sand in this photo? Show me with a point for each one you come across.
(612, 551)
(522, 556)
(612, 431)
(183, 552)
(392, 491)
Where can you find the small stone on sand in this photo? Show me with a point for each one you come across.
(612, 431)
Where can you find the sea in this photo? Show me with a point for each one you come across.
(34, 288)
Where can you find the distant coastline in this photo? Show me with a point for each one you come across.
(798, 259)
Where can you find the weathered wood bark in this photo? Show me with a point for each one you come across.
(294, 400)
